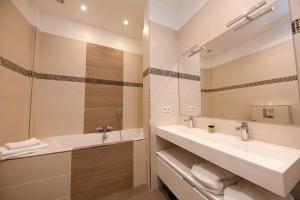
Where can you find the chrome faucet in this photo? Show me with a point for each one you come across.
(104, 130)
(244, 129)
(190, 121)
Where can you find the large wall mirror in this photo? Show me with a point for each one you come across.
(249, 72)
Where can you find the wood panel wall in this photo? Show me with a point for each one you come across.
(101, 171)
(103, 103)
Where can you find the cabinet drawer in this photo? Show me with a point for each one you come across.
(181, 189)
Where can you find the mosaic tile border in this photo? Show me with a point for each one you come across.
(296, 26)
(146, 72)
(253, 84)
(167, 73)
(14, 67)
(42, 76)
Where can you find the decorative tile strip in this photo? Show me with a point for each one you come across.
(253, 84)
(296, 26)
(103, 82)
(55, 77)
(146, 72)
(14, 67)
(85, 80)
(130, 84)
(161, 72)
(189, 77)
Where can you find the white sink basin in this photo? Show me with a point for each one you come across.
(273, 167)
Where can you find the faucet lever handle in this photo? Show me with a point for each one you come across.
(109, 128)
(238, 128)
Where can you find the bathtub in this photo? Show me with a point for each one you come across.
(49, 174)
(65, 143)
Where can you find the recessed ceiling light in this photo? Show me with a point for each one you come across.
(83, 8)
(126, 22)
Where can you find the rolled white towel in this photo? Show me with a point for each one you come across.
(245, 190)
(23, 144)
(6, 152)
(213, 178)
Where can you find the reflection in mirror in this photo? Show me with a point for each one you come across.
(189, 85)
(249, 73)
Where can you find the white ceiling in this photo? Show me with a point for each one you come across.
(174, 13)
(110, 14)
(105, 14)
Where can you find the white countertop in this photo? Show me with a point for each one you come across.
(273, 167)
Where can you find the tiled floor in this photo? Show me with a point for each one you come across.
(140, 193)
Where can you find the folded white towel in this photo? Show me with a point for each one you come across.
(20, 154)
(6, 152)
(245, 190)
(23, 144)
(213, 178)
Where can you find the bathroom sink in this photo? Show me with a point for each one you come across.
(274, 167)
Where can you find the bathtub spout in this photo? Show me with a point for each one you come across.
(105, 130)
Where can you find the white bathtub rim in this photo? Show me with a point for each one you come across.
(55, 147)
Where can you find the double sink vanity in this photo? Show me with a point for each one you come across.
(273, 167)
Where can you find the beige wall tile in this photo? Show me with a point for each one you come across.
(146, 125)
(101, 171)
(57, 108)
(139, 163)
(163, 52)
(236, 104)
(17, 38)
(104, 63)
(16, 44)
(25, 170)
(297, 50)
(133, 67)
(262, 65)
(46, 189)
(13, 97)
(163, 47)
(103, 73)
(60, 55)
(189, 95)
(95, 117)
(65, 198)
(132, 107)
(163, 92)
(103, 106)
(103, 96)
(295, 9)
(132, 97)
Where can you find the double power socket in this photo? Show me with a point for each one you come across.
(166, 109)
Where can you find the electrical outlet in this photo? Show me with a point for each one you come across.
(166, 109)
(191, 108)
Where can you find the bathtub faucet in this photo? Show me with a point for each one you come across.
(104, 130)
